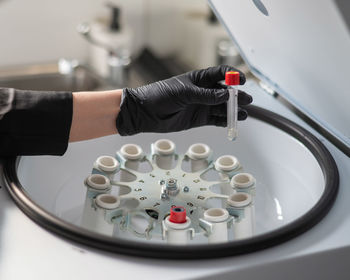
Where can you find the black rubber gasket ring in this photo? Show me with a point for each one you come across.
(272, 238)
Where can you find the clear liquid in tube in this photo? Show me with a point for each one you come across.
(232, 111)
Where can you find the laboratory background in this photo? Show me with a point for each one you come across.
(266, 197)
(186, 32)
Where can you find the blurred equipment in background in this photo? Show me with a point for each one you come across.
(110, 46)
(155, 68)
(227, 53)
(206, 43)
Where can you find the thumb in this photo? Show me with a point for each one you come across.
(208, 96)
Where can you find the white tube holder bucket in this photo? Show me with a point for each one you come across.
(244, 182)
(240, 206)
(177, 234)
(98, 220)
(199, 155)
(228, 166)
(164, 151)
(107, 164)
(132, 154)
(219, 219)
(96, 184)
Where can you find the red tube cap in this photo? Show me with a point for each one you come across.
(232, 78)
(177, 215)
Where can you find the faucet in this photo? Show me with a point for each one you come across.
(118, 59)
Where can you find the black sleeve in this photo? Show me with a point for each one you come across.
(34, 122)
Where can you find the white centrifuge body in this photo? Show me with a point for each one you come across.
(299, 50)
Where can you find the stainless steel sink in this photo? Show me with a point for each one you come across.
(50, 77)
(69, 75)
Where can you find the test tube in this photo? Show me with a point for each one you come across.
(176, 227)
(232, 79)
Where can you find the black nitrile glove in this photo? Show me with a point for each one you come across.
(189, 100)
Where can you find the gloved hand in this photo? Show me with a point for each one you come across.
(189, 100)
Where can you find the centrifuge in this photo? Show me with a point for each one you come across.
(192, 204)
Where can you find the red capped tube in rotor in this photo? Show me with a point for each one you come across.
(177, 215)
(232, 78)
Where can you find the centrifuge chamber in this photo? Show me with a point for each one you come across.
(296, 184)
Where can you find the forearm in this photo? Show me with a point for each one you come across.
(94, 114)
(34, 122)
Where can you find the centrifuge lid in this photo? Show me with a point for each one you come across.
(301, 50)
